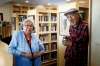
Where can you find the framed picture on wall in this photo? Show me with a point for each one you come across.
(64, 24)
(1, 16)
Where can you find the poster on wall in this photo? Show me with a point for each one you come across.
(64, 25)
(1, 16)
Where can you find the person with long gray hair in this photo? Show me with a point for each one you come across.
(76, 53)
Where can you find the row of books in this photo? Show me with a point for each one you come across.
(43, 18)
(53, 46)
(43, 27)
(22, 17)
(49, 56)
(53, 27)
(54, 36)
(45, 38)
(46, 18)
(20, 9)
(53, 18)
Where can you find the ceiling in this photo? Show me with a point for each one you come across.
(33, 2)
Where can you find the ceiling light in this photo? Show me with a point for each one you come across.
(49, 4)
(26, 1)
(70, 0)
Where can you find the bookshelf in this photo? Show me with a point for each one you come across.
(20, 8)
(84, 3)
(84, 12)
(47, 25)
(84, 9)
(5, 29)
(20, 12)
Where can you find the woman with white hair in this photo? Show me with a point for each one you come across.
(26, 47)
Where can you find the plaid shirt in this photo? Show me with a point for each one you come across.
(79, 37)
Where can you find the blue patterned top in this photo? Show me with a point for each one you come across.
(19, 44)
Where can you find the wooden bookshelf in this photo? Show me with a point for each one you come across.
(50, 63)
(20, 13)
(84, 9)
(5, 29)
(84, 12)
(47, 31)
(21, 8)
(84, 3)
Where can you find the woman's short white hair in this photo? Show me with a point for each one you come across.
(28, 20)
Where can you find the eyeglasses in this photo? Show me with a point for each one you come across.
(28, 25)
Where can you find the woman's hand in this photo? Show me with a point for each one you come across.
(27, 54)
(37, 54)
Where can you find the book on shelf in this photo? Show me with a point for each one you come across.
(31, 17)
(45, 57)
(43, 27)
(54, 36)
(24, 11)
(54, 55)
(46, 46)
(44, 37)
(53, 17)
(54, 46)
(25, 8)
(22, 17)
(53, 27)
(43, 18)
(39, 18)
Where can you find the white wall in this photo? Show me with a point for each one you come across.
(64, 7)
(7, 12)
(95, 40)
